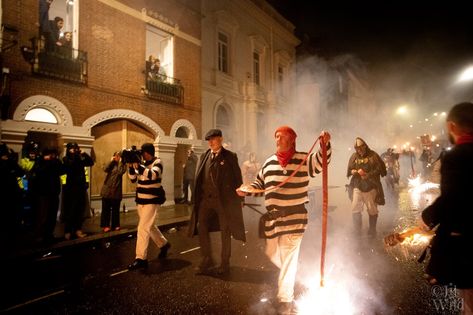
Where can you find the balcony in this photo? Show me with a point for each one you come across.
(61, 63)
(165, 89)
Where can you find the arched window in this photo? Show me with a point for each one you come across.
(182, 132)
(41, 115)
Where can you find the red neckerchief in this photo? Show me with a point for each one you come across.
(465, 139)
(285, 157)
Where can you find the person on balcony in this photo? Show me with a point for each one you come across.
(156, 72)
(52, 38)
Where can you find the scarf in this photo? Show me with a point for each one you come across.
(465, 139)
(285, 157)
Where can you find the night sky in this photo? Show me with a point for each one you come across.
(403, 45)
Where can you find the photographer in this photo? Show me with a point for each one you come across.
(74, 190)
(10, 193)
(149, 195)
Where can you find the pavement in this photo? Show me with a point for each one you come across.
(168, 219)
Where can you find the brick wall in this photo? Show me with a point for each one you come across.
(115, 44)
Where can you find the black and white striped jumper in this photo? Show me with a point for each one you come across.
(148, 177)
(290, 198)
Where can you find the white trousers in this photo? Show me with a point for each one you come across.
(283, 251)
(366, 198)
(147, 229)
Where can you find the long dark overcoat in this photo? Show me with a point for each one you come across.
(228, 179)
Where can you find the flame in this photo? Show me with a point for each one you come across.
(417, 240)
(417, 189)
(333, 298)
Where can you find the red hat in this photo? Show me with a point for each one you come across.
(286, 129)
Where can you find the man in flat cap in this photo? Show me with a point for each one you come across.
(217, 205)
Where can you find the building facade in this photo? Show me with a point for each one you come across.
(248, 64)
(102, 88)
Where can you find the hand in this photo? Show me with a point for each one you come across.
(393, 239)
(325, 135)
(362, 172)
(240, 192)
(353, 171)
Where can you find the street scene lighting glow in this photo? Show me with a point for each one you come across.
(401, 110)
(466, 75)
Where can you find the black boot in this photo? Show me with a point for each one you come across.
(372, 228)
(357, 224)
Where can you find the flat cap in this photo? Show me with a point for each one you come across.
(213, 133)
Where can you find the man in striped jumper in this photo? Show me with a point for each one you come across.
(149, 195)
(287, 215)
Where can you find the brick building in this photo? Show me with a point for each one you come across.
(101, 91)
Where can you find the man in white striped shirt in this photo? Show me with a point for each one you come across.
(287, 216)
(149, 195)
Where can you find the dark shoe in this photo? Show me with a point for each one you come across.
(223, 269)
(138, 264)
(164, 251)
(205, 266)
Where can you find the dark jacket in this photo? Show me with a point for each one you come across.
(374, 167)
(112, 185)
(228, 180)
(453, 212)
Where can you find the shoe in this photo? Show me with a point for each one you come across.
(138, 264)
(80, 234)
(205, 266)
(164, 251)
(117, 228)
(223, 269)
(106, 229)
(285, 308)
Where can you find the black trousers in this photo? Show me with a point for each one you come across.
(110, 209)
(210, 211)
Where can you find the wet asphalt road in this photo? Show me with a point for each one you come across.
(94, 279)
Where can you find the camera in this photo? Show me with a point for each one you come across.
(131, 155)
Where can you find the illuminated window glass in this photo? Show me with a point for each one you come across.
(41, 115)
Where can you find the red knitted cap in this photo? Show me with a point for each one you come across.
(287, 130)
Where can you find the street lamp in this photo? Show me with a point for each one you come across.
(466, 75)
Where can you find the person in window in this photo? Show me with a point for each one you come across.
(52, 38)
(156, 72)
(66, 45)
(44, 6)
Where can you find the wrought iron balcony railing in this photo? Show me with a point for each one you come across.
(164, 88)
(58, 62)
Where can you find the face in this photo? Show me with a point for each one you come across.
(116, 157)
(284, 142)
(68, 36)
(147, 156)
(215, 143)
(60, 24)
(361, 150)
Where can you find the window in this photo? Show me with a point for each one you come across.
(41, 115)
(159, 44)
(281, 85)
(223, 52)
(68, 11)
(256, 68)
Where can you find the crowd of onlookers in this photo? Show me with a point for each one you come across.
(39, 187)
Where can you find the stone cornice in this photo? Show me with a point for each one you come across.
(270, 22)
(143, 16)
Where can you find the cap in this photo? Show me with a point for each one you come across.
(72, 145)
(359, 143)
(148, 147)
(213, 133)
